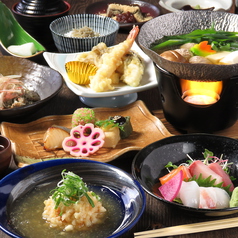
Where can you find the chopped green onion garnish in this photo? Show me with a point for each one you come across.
(70, 189)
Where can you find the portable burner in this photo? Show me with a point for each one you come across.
(209, 108)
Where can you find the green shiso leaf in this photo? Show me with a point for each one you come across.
(208, 182)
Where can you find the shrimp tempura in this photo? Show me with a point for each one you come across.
(101, 81)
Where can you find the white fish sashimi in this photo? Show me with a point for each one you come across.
(207, 198)
(213, 198)
(189, 194)
(192, 195)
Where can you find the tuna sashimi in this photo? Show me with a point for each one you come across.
(171, 189)
(198, 167)
(225, 177)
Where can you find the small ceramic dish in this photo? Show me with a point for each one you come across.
(103, 28)
(104, 179)
(145, 7)
(5, 153)
(41, 79)
(177, 5)
(149, 164)
(27, 139)
(11, 33)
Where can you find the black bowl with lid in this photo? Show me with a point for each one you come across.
(35, 17)
(39, 7)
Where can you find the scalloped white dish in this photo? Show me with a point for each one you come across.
(57, 61)
(175, 5)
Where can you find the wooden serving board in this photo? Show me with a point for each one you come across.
(27, 139)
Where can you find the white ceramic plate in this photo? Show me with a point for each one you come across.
(175, 5)
(57, 61)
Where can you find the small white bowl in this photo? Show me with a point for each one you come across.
(176, 5)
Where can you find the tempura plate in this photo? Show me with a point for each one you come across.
(27, 139)
(57, 61)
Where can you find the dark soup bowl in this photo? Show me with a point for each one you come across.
(30, 186)
(149, 164)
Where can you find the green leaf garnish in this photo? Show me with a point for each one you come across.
(108, 123)
(220, 40)
(207, 153)
(208, 156)
(207, 182)
(171, 165)
(70, 189)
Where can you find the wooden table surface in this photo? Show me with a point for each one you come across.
(156, 213)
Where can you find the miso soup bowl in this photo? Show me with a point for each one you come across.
(128, 191)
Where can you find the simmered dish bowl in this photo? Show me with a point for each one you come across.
(147, 10)
(186, 22)
(120, 194)
(149, 164)
(43, 80)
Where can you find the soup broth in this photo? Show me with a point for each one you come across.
(26, 215)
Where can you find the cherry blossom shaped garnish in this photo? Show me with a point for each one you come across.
(84, 140)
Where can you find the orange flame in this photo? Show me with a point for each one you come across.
(200, 92)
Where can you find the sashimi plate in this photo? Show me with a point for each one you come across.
(27, 139)
(149, 164)
(57, 61)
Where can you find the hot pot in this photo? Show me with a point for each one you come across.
(187, 116)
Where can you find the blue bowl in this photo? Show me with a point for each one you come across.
(105, 26)
(94, 173)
